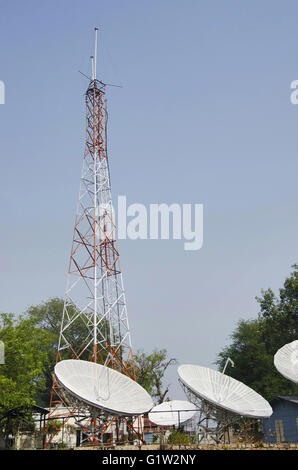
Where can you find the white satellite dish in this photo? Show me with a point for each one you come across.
(286, 361)
(172, 413)
(103, 387)
(224, 391)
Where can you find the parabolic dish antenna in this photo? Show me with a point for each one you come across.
(286, 361)
(172, 413)
(224, 391)
(103, 387)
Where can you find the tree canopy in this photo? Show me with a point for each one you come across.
(47, 316)
(26, 353)
(254, 342)
(22, 374)
(150, 370)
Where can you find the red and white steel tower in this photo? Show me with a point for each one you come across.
(94, 322)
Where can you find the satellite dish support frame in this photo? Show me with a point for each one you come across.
(210, 412)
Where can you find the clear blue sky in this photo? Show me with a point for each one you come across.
(204, 116)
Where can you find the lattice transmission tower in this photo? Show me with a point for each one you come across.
(94, 323)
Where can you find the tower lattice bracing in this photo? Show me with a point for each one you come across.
(95, 297)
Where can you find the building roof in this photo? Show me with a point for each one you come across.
(41, 410)
(22, 410)
(291, 398)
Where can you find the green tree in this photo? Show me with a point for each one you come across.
(254, 342)
(48, 316)
(253, 364)
(280, 314)
(150, 370)
(22, 374)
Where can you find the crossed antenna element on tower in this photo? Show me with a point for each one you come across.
(94, 64)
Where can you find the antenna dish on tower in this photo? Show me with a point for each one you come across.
(286, 361)
(224, 392)
(102, 387)
(172, 413)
